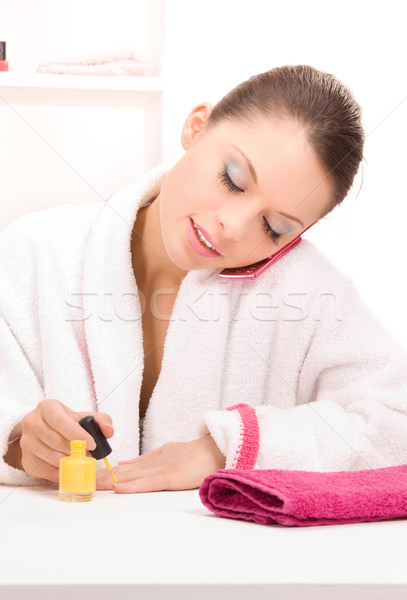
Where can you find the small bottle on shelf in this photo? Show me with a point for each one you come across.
(3, 62)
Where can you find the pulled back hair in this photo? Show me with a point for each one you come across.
(322, 106)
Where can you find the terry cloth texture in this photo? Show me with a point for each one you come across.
(307, 498)
(105, 62)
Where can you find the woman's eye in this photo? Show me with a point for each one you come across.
(228, 181)
(275, 236)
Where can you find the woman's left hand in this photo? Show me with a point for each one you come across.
(174, 466)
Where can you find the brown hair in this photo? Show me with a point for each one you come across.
(321, 104)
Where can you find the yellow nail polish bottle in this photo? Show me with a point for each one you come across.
(77, 474)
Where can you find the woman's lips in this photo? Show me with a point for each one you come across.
(197, 245)
(208, 237)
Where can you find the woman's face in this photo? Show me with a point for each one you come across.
(232, 183)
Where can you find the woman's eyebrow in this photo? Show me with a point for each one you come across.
(253, 172)
(292, 218)
(249, 164)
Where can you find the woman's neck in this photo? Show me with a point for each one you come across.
(151, 263)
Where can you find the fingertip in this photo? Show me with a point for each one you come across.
(106, 419)
(107, 426)
(123, 488)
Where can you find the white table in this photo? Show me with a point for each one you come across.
(168, 545)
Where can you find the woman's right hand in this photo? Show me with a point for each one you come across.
(46, 435)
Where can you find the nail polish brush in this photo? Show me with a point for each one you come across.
(103, 448)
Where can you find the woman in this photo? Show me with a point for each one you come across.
(290, 370)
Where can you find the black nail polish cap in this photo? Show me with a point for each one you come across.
(2, 50)
(102, 445)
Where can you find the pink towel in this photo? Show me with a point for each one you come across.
(107, 62)
(306, 498)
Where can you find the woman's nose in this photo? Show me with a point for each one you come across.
(236, 221)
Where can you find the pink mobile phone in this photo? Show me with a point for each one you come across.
(254, 270)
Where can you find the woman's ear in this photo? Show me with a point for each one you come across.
(195, 123)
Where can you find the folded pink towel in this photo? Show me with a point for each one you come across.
(107, 62)
(307, 498)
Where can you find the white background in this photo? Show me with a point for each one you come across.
(210, 47)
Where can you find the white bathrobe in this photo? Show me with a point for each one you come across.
(289, 371)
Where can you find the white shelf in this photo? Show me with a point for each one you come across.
(80, 90)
